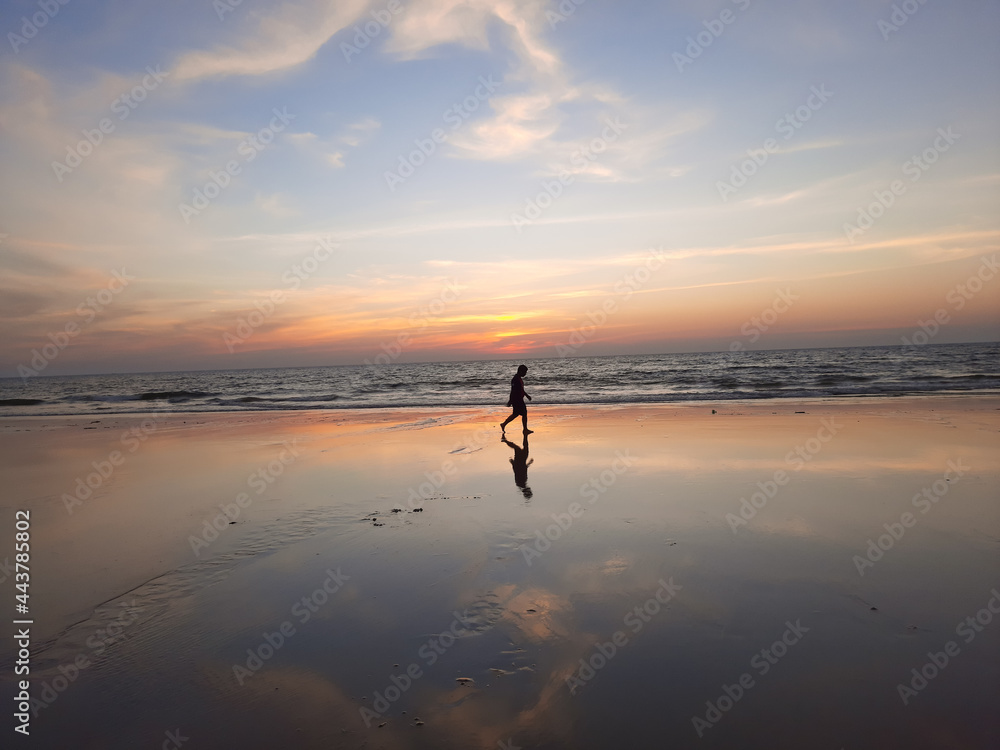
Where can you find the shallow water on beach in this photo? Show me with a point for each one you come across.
(601, 584)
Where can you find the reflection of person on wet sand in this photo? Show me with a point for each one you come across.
(521, 463)
(516, 400)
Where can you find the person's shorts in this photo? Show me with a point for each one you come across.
(519, 407)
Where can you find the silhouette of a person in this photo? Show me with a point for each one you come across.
(516, 401)
(521, 463)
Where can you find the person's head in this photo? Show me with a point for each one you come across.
(522, 370)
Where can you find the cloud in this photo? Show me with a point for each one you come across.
(121, 183)
(16, 304)
(521, 123)
(275, 204)
(530, 115)
(358, 132)
(811, 145)
(524, 118)
(326, 149)
(434, 23)
(292, 35)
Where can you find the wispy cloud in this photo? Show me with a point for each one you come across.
(288, 37)
(331, 149)
(276, 204)
(527, 111)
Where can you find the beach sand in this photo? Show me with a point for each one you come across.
(654, 576)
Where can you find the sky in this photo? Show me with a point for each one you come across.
(205, 185)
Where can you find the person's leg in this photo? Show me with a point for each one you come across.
(507, 421)
(524, 422)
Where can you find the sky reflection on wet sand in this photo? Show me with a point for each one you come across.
(512, 592)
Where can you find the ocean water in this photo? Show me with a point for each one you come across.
(663, 378)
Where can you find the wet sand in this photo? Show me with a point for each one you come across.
(766, 576)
